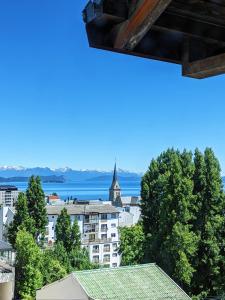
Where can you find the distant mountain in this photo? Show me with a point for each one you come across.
(67, 173)
(108, 178)
(45, 179)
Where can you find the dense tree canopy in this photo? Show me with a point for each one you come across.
(183, 219)
(51, 268)
(28, 277)
(132, 245)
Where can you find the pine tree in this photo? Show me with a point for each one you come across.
(75, 236)
(167, 209)
(28, 277)
(21, 220)
(36, 206)
(210, 225)
(63, 229)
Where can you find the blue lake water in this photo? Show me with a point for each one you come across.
(85, 190)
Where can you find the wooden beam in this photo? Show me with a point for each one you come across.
(134, 29)
(204, 68)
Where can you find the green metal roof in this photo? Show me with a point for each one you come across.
(134, 282)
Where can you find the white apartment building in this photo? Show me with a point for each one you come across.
(99, 230)
(8, 195)
(6, 217)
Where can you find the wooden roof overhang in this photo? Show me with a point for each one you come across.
(186, 32)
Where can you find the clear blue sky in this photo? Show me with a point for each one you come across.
(64, 104)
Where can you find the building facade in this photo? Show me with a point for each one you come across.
(99, 230)
(8, 195)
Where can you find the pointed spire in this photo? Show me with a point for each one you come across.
(115, 173)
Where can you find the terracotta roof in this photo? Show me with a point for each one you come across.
(53, 197)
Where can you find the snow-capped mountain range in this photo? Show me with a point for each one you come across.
(68, 173)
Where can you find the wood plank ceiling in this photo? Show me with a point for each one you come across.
(186, 32)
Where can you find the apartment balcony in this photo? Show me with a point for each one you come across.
(91, 221)
(103, 220)
(96, 241)
(91, 231)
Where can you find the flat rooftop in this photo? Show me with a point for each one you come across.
(8, 188)
(82, 209)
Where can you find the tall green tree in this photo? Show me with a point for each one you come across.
(36, 206)
(132, 245)
(21, 220)
(209, 225)
(28, 277)
(167, 208)
(63, 229)
(75, 236)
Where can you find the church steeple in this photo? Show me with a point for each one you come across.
(115, 191)
(114, 175)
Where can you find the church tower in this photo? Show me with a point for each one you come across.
(115, 190)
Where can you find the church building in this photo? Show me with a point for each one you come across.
(115, 190)
(128, 206)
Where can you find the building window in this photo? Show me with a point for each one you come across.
(104, 237)
(114, 255)
(95, 259)
(95, 249)
(127, 209)
(113, 216)
(93, 218)
(77, 218)
(114, 265)
(106, 248)
(106, 258)
(91, 237)
(113, 235)
(52, 227)
(104, 228)
(86, 219)
(115, 247)
(113, 225)
(103, 216)
(53, 217)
